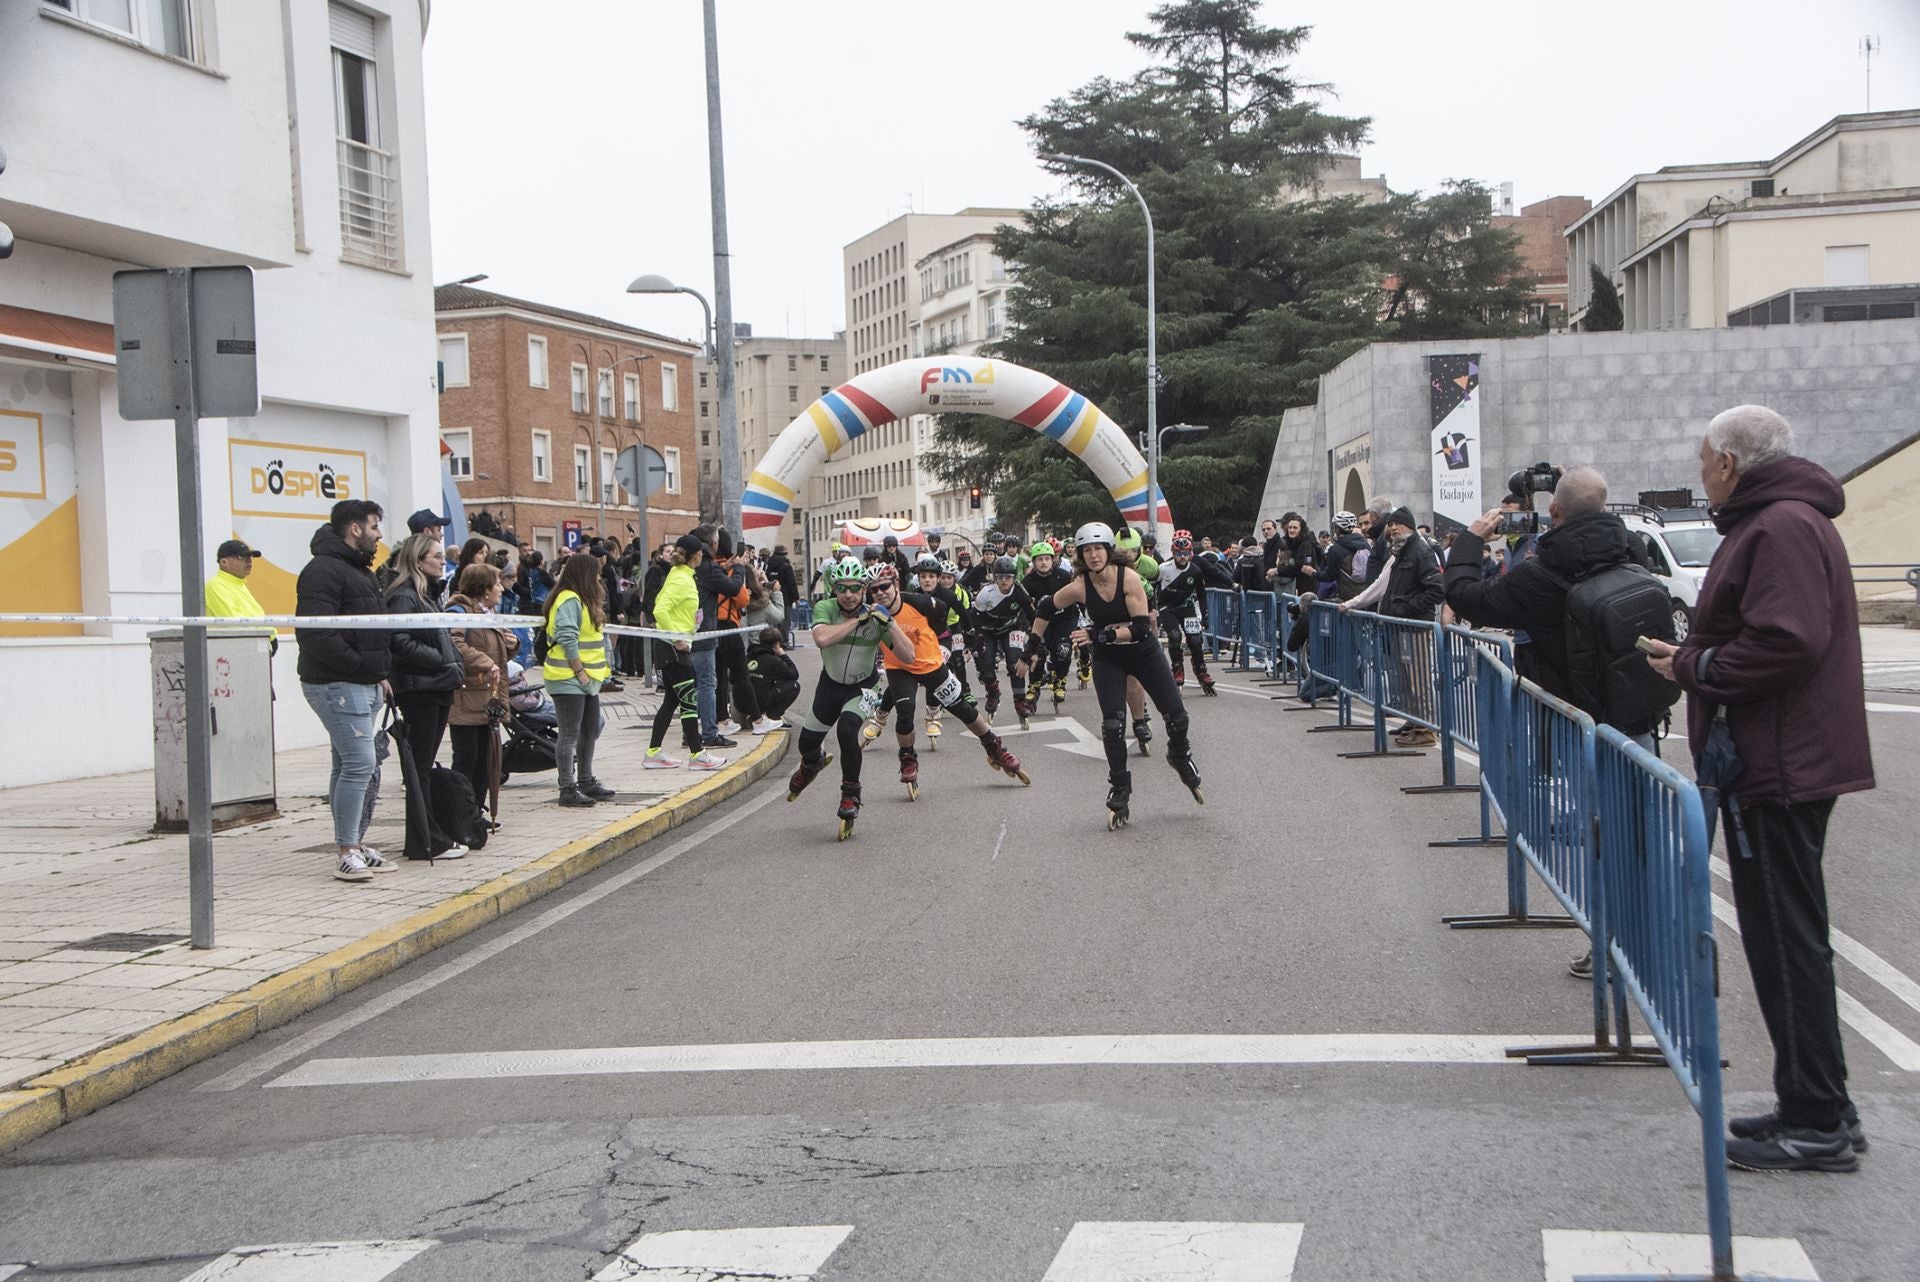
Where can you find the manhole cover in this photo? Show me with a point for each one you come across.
(123, 942)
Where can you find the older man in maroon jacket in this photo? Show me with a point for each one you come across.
(1776, 644)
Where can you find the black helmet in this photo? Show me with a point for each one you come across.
(994, 536)
(1005, 565)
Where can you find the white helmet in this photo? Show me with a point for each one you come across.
(1094, 532)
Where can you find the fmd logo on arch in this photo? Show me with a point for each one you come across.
(954, 374)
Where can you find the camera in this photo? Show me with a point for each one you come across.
(1541, 478)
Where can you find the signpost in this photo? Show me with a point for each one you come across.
(570, 535)
(183, 341)
(640, 471)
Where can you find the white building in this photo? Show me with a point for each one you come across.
(963, 290)
(288, 137)
(880, 474)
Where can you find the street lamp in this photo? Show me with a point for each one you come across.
(1153, 358)
(730, 479)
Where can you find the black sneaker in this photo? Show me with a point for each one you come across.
(1581, 967)
(597, 790)
(719, 741)
(1794, 1148)
(1758, 1124)
(573, 797)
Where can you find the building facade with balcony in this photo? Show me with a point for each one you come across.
(168, 133)
(539, 402)
(775, 379)
(1687, 246)
(879, 475)
(963, 304)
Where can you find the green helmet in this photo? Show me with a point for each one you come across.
(1042, 548)
(1127, 541)
(846, 572)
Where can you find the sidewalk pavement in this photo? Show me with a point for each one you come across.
(82, 870)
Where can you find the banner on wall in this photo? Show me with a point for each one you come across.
(39, 508)
(1353, 474)
(281, 489)
(1453, 402)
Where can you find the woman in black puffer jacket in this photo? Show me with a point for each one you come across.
(426, 671)
(1301, 552)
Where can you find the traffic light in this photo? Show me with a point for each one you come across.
(973, 498)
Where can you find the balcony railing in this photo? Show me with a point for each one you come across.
(369, 206)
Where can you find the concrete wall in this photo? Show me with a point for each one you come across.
(1878, 522)
(1633, 404)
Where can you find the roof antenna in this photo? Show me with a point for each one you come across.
(1869, 45)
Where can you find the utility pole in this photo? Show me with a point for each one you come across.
(731, 481)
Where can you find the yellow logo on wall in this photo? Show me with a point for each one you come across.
(23, 455)
(302, 482)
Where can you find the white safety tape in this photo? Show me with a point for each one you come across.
(358, 622)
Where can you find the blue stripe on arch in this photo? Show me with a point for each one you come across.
(772, 503)
(842, 409)
(1065, 417)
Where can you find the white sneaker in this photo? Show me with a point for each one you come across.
(729, 726)
(353, 868)
(377, 862)
(455, 851)
(706, 761)
(764, 726)
(659, 761)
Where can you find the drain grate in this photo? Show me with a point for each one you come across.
(123, 942)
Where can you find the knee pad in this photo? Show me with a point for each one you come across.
(1113, 729)
(1177, 727)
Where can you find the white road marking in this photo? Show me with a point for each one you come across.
(789, 1254)
(998, 842)
(313, 1262)
(1893, 707)
(1572, 1253)
(8, 1270)
(932, 1052)
(1894, 1044)
(261, 1065)
(1177, 1251)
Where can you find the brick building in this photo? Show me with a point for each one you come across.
(523, 381)
(1542, 228)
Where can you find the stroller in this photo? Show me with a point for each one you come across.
(533, 728)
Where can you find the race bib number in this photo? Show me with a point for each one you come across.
(1190, 626)
(949, 690)
(1016, 640)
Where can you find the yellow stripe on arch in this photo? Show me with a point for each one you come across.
(1082, 432)
(827, 426)
(1136, 484)
(771, 486)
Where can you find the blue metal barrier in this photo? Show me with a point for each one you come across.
(1223, 618)
(1456, 674)
(1658, 894)
(1259, 630)
(1325, 660)
(1388, 664)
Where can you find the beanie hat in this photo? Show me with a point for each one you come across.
(1401, 516)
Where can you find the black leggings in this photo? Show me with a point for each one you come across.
(943, 688)
(425, 716)
(1147, 663)
(1195, 643)
(992, 651)
(835, 704)
(676, 699)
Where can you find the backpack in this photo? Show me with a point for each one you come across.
(456, 811)
(1352, 573)
(1607, 675)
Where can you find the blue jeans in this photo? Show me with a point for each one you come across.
(351, 713)
(703, 690)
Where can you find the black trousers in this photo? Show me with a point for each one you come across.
(425, 716)
(470, 758)
(731, 681)
(1780, 893)
(775, 696)
(676, 699)
(1178, 636)
(1147, 663)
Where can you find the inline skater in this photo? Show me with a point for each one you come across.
(1124, 645)
(1002, 614)
(974, 574)
(949, 611)
(959, 622)
(914, 661)
(1183, 584)
(1046, 577)
(848, 633)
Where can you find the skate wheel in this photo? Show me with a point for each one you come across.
(793, 796)
(1145, 751)
(846, 829)
(1115, 821)
(913, 792)
(1198, 799)
(1021, 775)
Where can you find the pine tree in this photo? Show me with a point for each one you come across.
(1257, 295)
(1604, 311)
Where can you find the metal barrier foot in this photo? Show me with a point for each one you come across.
(1511, 921)
(1332, 729)
(1588, 1053)
(1444, 787)
(1384, 752)
(1499, 842)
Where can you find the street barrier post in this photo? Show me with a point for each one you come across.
(1346, 667)
(1377, 629)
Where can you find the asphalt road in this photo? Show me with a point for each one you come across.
(1300, 903)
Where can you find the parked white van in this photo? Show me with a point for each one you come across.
(1679, 543)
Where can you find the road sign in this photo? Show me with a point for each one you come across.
(640, 471)
(219, 343)
(570, 535)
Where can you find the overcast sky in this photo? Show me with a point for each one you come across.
(568, 150)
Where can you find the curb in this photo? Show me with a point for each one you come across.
(114, 1072)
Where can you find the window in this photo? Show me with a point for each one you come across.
(607, 486)
(582, 473)
(543, 456)
(630, 384)
(793, 363)
(706, 437)
(460, 462)
(1849, 265)
(453, 360)
(671, 481)
(703, 409)
(579, 389)
(604, 386)
(703, 378)
(536, 361)
(793, 394)
(546, 542)
(164, 26)
(824, 389)
(823, 364)
(369, 180)
(669, 387)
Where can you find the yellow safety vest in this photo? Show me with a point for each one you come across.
(593, 646)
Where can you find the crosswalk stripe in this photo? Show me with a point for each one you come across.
(8, 1270)
(313, 1261)
(789, 1254)
(1177, 1251)
(906, 1053)
(1572, 1253)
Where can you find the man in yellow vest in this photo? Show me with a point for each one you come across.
(228, 596)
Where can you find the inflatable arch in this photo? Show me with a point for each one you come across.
(949, 385)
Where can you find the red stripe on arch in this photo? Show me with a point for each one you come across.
(1036, 414)
(873, 411)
